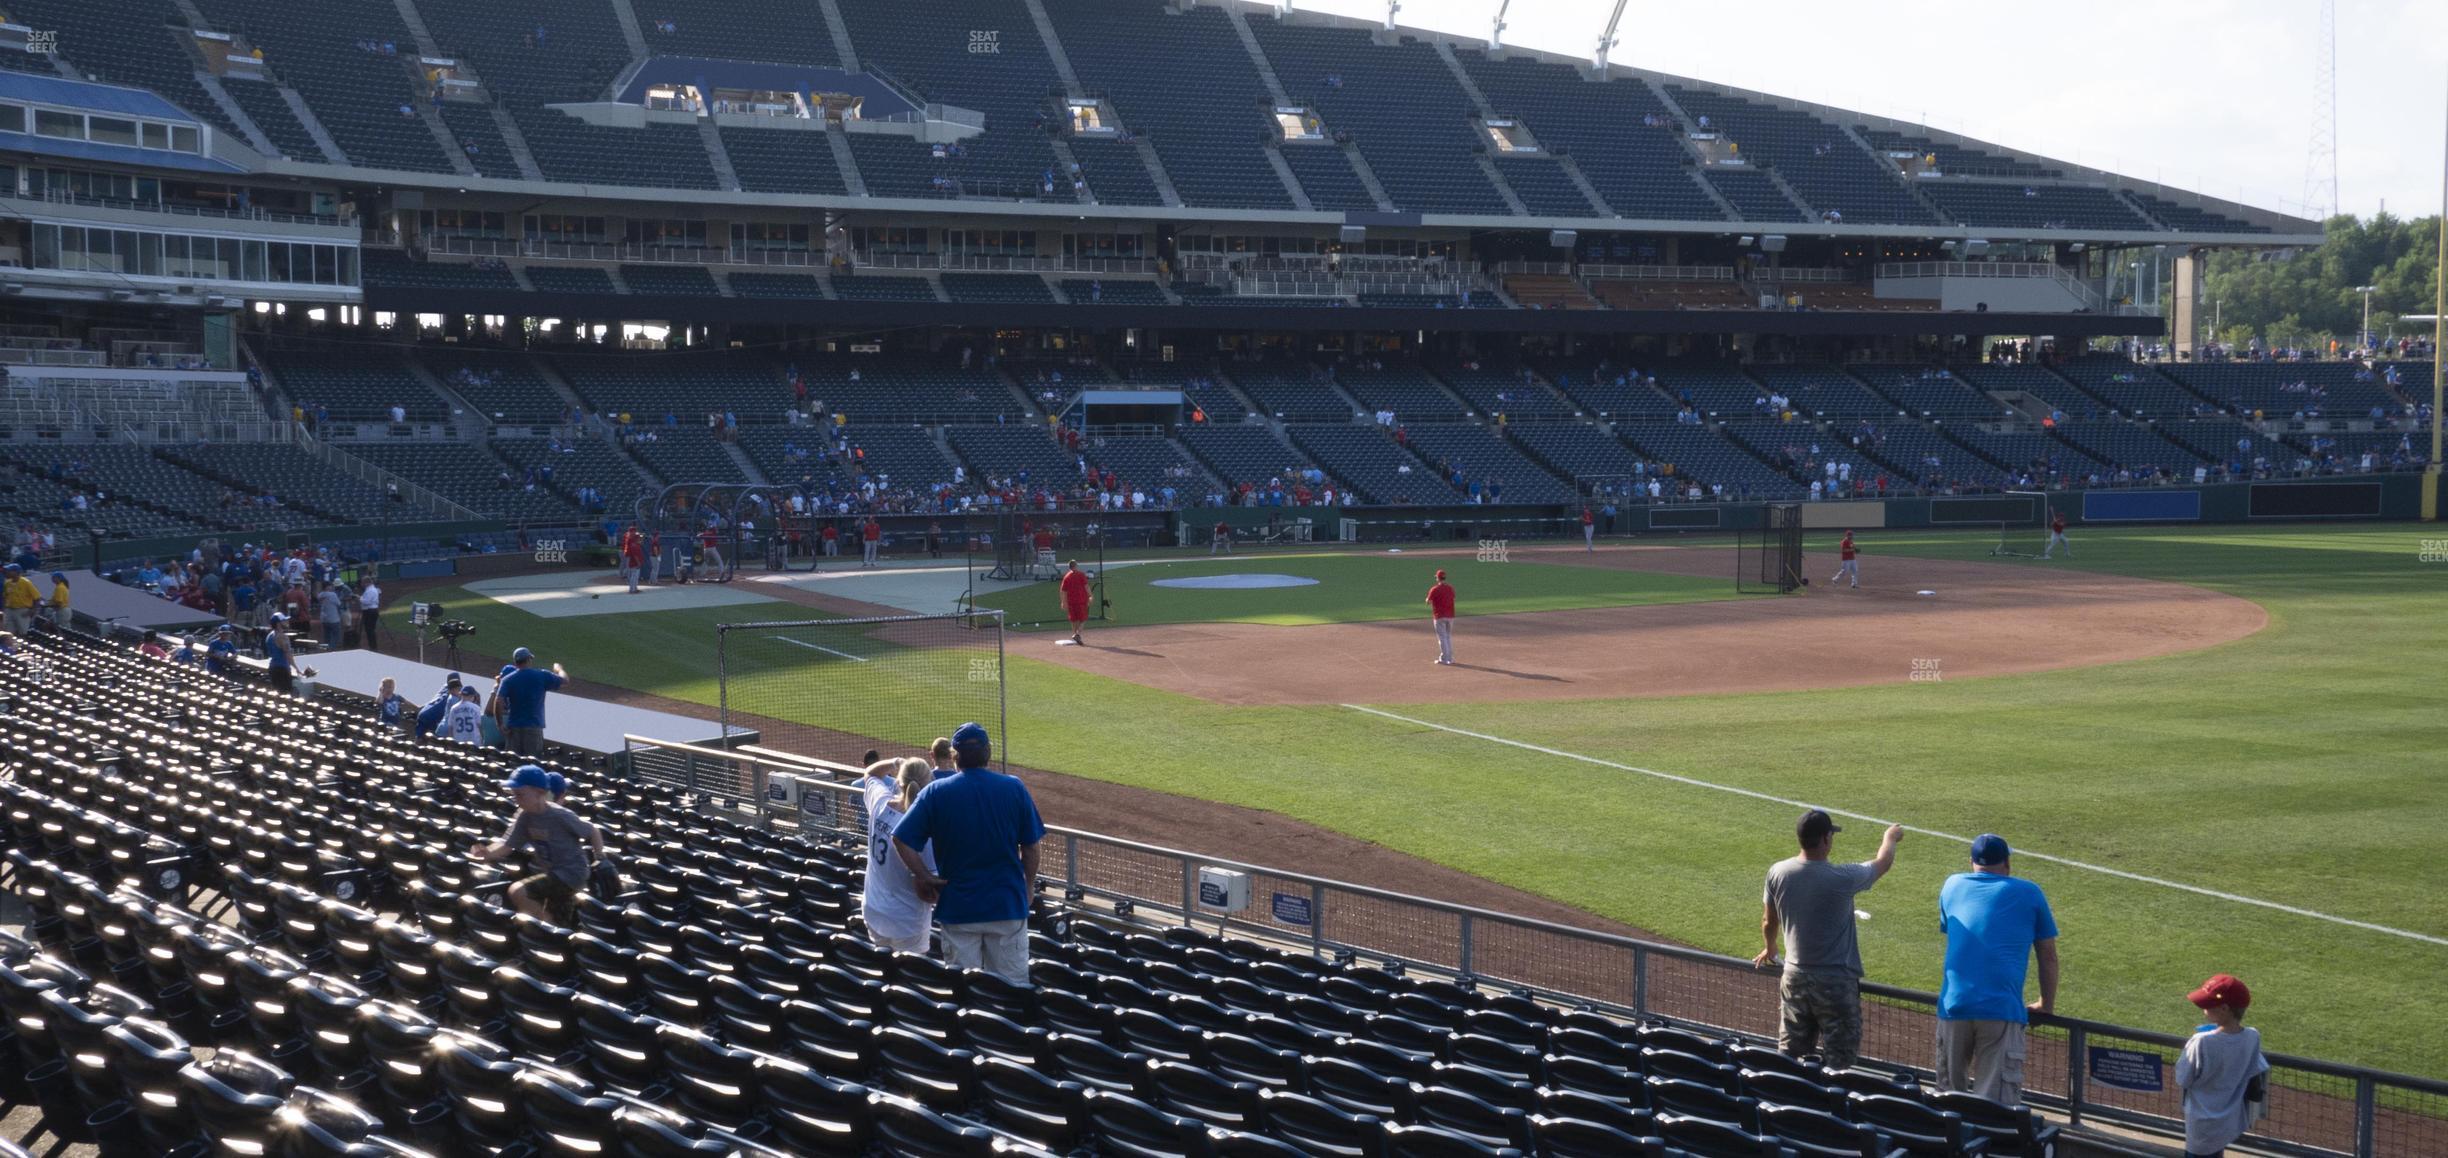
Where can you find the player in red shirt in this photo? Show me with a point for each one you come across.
(832, 538)
(1222, 543)
(710, 543)
(871, 539)
(1441, 613)
(633, 556)
(1075, 599)
(1851, 567)
(1589, 530)
(2057, 536)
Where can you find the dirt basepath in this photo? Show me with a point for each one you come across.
(1983, 619)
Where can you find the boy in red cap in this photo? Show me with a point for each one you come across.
(2220, 1070)
(1441, 613)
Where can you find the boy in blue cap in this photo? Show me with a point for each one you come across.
(560, 839)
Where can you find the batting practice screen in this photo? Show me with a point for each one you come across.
(1773, 560)
(1036, 547)
(834, 688)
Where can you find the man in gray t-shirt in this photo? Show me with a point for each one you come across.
(561, 840)
(1808, 901)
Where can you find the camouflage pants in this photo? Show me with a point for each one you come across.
(1820, 1013)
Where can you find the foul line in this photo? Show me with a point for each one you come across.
(819, 647)
(2102, 869)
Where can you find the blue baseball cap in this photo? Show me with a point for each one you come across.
(556, 783)
(452, 682)
(61, 576)
(506, 670)
(970, 735)
(522, 655)
(529, 776)
(1989, 848)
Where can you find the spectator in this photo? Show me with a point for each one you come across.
(152, 646)
(57, 605)
(221, 655)
(17, 598)
(522, 698)
(279, 665)
(1809, 899)
(369, 613)
(2221, 1070)
(985, 830)
(1994, 924)
(464, 722)
(897, 919)
(389, 706)
(429, 718)
(560, 839)
(327, 613)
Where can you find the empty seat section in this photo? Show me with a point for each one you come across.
(1617, 132)
(391, 269)
(570, 279)
(1607, 391)
(1184, 82)
(564, 51)
(1327, 176)
(907, 456)
(997, 288)
(1824, 166)
(503, 387)
(128, 42)
(1114, 172)
(2190, 218)
(739, 30)
(1482, 456)
(358, 384)
(1549, 291)
(355, 94)
(1957, 160)
(684, 384)
(782, 161)
(1294, 393)
(2038, 205)
(1644, 294)
(2132, 388)
(1025, 454)
(264, 106)
(1503, 390)
(1698, 453)
(1241, 455)
(1111, 291)
(288, 473)
(775, 285)
(471, 478)
(908, 388)
(688, 453)
(1942, 392)
(1807, 452)
(481, 139)
(2131, 446)
(1410, 392)
(853, 287)
(2025, 453)
(677, 280)
(1714, 388)
(1823, 389)
(1577, 450)
(1150, 462)
(1011, 85)
(2280, 389)
(577, 462)
(136, 471)
(1365, 457)
(1929, 459)
(1544, 187)
(1754, 195)
(1400, 103)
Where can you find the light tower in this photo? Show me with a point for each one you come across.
(2320, 195)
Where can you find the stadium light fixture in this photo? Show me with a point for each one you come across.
(2366, 291)
(1496, 28)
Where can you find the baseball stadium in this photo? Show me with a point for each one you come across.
(1174, 578)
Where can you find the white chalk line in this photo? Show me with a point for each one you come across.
(2020, 853)
(819, 647)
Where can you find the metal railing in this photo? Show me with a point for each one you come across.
(2317, 1109)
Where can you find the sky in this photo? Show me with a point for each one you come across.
(2207, 95)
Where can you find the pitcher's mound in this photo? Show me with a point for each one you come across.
(1242, 582)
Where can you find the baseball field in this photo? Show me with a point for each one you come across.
(2217, 749)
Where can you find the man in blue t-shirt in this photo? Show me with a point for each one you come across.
(985, 831)
(1994, 925)
(221, 655)
(522, 696)
(429, 717)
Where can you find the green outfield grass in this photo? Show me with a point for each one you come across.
(1353, 588)
(2299, 766)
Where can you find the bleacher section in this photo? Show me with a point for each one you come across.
(355, 385)
(1545, 189)
(908, 388)
(737, 30)
(1578, 450)
(687, 453)
(783, 160)
(472, 478)
(503, 387)
(1401, 105)
(569, 279)
(1112, 291)
(1326, 175)
(852, 287)
(1614, 394)
(2131, 388)
(1700, 453)
(1910, 448)
(1495, 390)
(1958, 160)
(1151, 463)
(1026, 454)
(1754, 195)
(1822, 390)
(997, 288)
(1364, 457)
(357, 95)
(1012, 86)
(1943, 392)
(1114, 172)
(264, 106)
(2128, 445)
(1243, 454)
(776, 285)
(679, 280)
(1183, 82)
(2034, 206)
(390, 269)
(1410, 392)
(686, 384)
(288, 473)
(1823, 165)
(1483, 456)
(2280, 389)
(1617, 132)
(904, 455)
(481, 140)
(582, 462)
(2190, 219)
(1291, 393)
(127, 42)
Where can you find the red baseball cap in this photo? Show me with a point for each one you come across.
(2223, 990)
(1440, 574)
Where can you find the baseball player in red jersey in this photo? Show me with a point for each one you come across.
(1441, 613)
(1851, 567)
(871, 537)
(1075, 599)
(1589, 530)
(2057, 536)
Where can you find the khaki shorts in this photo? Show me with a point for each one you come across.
(998, 947)
(1983, 1057)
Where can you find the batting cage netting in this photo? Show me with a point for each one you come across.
(834, 688)
(1036, 547)
(1770, 559)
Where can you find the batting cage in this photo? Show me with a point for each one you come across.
(1022, 547)
(1769, 560)
(2022, 525)
(834, 688)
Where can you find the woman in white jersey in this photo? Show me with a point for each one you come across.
(896, 918)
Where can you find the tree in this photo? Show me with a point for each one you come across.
(2305, 296)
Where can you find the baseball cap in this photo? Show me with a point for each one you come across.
(1815, 826)
(1990, 848)
(522, 655)
(529, 776)
(506, 670)
(556, 783)
(970, 735)
(452, 682)
(277, 617)
(2222, 989)
(60, 576)
(1440, 573)
(222, 628)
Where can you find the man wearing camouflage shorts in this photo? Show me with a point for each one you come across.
(1809, 901)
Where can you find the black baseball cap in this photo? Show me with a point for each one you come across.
(1815, 826)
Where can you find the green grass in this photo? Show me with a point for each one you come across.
(2299, 766)
(1355, 588)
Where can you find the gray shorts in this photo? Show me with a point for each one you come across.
(524, 741)
(998, 947)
